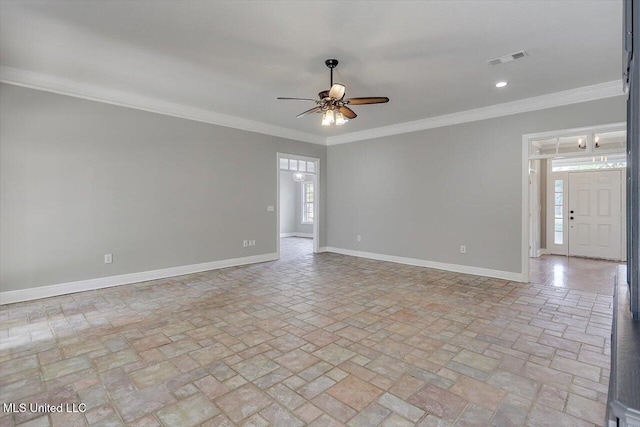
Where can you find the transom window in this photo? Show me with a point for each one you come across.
(297, 165)
(592, 143)
(612, 161)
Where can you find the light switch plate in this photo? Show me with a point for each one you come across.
(270, 208)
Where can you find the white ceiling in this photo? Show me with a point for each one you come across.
(236, 57)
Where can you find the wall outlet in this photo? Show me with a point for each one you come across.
(359, 238)
(463, 249)
(270, 208)
(108, 258)
(245, 243)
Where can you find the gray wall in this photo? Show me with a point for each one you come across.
(287, 203)
(423, 194)
(79, 179)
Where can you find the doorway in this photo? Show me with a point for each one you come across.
(298, 205)
(574, 193)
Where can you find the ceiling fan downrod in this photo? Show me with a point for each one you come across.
(331, 63)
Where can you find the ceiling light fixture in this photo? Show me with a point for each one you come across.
(501, 84)
(299, 176)
(328, 118)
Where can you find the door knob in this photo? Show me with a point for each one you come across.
(570, 211)
(570, 217)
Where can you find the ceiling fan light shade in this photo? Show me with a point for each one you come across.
(328, 118)
(337, 91)
(340, 119)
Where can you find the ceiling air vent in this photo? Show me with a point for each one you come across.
(508, 58)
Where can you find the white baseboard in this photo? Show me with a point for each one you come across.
(322, 249)
(536, 253)
(10, 297)
(456, 268)
(296, 234)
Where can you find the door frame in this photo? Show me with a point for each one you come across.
(535, 220)
(316, 204)
(525, 212)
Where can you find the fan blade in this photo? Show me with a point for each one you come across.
(297, 99)
(348, 112)
(311, 111)
(368, 100)
(337, 91)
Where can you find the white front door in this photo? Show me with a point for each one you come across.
(594, 214)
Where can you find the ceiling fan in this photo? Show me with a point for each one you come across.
(331, 103)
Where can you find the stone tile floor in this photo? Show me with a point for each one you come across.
(320, 340)
(582, 274)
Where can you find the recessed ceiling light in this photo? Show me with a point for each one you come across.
(501, 84)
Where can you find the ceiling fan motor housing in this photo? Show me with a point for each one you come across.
(331, 63)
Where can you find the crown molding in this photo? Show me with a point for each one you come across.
(48, 83)
(557, 99)
(33, 80)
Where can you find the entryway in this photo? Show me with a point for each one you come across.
(298, 182)
(575, 193)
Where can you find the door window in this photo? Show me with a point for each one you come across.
(558, 212)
